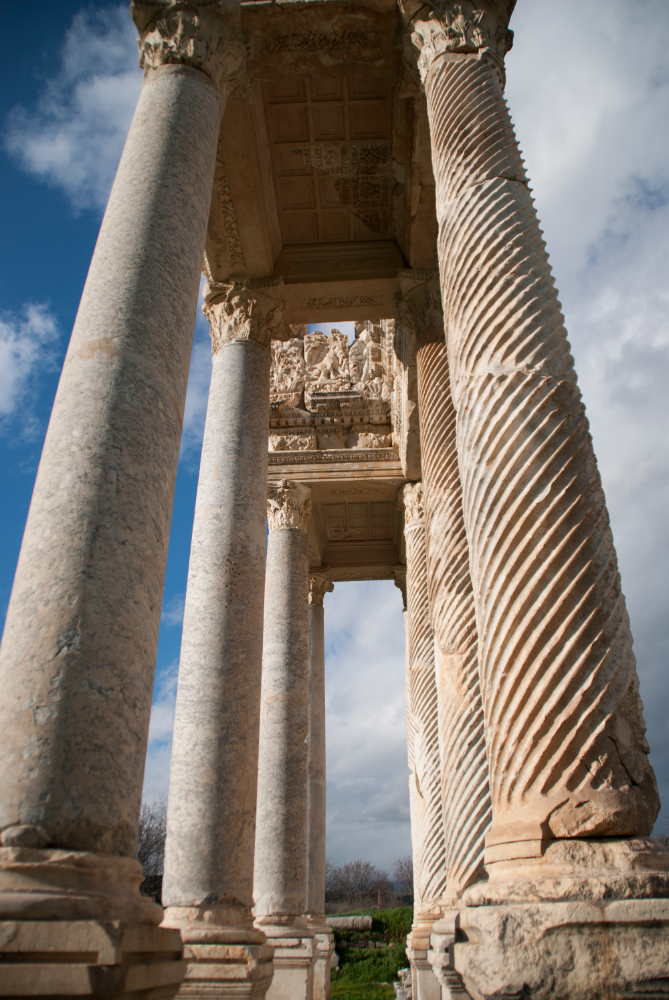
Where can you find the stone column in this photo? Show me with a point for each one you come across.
(427, 830)
(80, 641)
(464, 769)
(208, 883)
(569, 773)
(319, 586)
(280, 882)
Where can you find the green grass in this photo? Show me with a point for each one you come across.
(368, 973)
(372, 991)
(370, 965)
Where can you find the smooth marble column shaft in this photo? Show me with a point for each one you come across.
(79, 649)
(316, 762)
(281, 839)
(212, 801)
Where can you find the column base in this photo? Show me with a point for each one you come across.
(324, 942)
(89, 958)
(424, 984)
(224, 960)
(588, 919)
(440, 957)
(73, 924)
(295, 955)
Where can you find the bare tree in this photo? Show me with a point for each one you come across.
(355, 880)
(403, 872)
(151, 837)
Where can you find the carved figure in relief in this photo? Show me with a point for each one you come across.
(326, 362)
(287, 372)
(293, 439)
(369, 437)
(366, 366)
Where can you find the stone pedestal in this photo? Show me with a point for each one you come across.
(587, 919)
(280, 879)
(208, 884)
(324, 944)
(72, 923)
(79, 648)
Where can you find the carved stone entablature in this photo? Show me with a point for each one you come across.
(239, 310)
(333, 414)
(293, 439)
(204, 34)
(319, 586)
(288, 505)
(332, 456)
(412, 497)
(447, 27)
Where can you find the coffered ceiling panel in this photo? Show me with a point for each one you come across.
(331, 157)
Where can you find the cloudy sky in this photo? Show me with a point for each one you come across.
(588, 86)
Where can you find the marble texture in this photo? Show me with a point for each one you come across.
(319, 586)
(280, 881)
(80, 642)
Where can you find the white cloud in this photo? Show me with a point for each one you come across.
(74, 137)
(26, 348)
(198, 389)
(173, 610)
(159, 754)
(367, 771)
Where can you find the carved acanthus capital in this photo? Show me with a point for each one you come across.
(288, 505)
(241, 310)
(414, 511)
(419, 301)
(204, 34)
(446, 27)
(319, 586)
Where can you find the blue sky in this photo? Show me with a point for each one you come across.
(588, 86)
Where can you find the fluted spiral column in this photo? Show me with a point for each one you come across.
(79, 648)
(425, 799)
(466, 810)
(208, 883)
(280, 879)
(565, 912)
(319, 586)
(565, 730)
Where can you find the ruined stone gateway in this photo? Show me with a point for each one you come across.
(324, 160)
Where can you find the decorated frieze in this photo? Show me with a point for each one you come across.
(328, 396)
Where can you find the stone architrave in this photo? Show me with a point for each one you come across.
(564, 725)
(80, 640)
(280, 879)
(427, 829)
(208, 883)
(319, 586)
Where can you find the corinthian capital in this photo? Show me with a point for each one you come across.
(419, 300)
(288, 505)
(238, 310)
(319, 586)
(204, 34)
(446, 27)
(412, 498)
